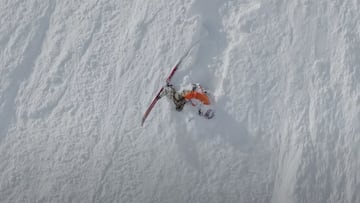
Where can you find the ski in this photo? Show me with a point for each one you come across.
(157, 97)
(168, 80)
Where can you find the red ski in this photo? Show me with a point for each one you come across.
(168, 80)
(157, 97)
(151, 105)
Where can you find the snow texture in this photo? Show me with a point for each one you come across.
(77, 76)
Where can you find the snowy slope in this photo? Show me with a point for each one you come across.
(77, 76)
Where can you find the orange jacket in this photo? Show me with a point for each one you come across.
(197, 95)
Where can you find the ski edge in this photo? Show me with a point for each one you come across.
(148, 110)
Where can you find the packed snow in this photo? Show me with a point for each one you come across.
(77, 76)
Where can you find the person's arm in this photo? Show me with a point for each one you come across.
(198, 86)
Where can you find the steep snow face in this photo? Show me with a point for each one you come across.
(77, 76)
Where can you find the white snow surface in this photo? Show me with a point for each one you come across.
(77, 76)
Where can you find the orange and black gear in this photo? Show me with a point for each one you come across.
(201, 96)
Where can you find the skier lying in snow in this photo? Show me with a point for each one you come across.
(197, 97)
